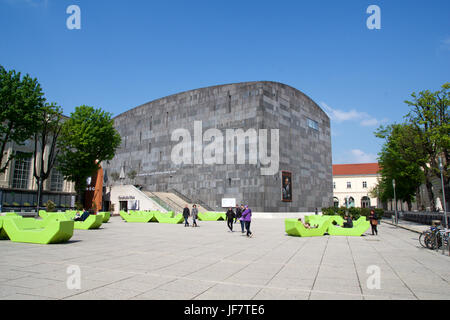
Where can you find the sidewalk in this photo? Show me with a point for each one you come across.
(408, 225)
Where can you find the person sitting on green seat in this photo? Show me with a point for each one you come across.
(348, 223)
(83, 217)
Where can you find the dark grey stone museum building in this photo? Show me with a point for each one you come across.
(298, 135)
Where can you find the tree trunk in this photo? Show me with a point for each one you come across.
(430, 192)
(39, 195)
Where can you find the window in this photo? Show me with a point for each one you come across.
(151, 121)
(229, 102)
(334, 185)
(349, 185)
(313, 124)
(21, 173)
(365, 184)
(56, 181)
(149, 148)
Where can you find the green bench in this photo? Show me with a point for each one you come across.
(313, 220)
(360, 226)
(92, 222)
(167, 218)
(137, 216)
(212, 216)
(30, 230)
(105, 216)
(296, 228)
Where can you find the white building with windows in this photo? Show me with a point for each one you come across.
(352, 184)
(18, 187)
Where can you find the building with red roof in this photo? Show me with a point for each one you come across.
(353, 183)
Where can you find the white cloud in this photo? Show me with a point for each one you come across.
(359, 156)
(445, 44)
(339, 116)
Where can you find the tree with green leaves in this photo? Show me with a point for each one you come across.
(45, 144)
(20, 98)
(400, 159)
(431, 118)
(87, 138)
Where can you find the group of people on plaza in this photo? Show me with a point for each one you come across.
(242, 213)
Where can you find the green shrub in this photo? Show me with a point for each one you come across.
(50, 206)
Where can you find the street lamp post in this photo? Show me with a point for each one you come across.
(441, 168)
(395, 200)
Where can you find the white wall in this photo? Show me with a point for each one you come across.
(145, 203)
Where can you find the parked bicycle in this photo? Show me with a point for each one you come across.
(435, 238)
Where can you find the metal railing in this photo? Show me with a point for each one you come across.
(186, 199)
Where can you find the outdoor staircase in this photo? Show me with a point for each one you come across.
(173, 202)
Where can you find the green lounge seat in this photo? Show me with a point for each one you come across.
(297, 229)
(166, 218)
(105, 215)
(12, 214)
(313, 220)
(359, 228)
(137, 216)
(211, 216)
(3, 235)
(92, 222)
(29, 230)
(43, 214)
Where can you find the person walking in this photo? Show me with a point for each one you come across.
(230, 218)
(247, 218)
(240, 220)
(186, 215)
(373, 222)
(194, 214)
(238, 214)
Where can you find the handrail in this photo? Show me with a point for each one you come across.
(185, 198)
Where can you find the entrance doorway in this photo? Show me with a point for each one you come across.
(365, 202)
(123, 206)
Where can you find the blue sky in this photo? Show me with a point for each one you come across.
(131, 52)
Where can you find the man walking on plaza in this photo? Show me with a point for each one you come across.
(194, 213)
(186, 215)
(230, 218)
(238, 214)
(247, 218)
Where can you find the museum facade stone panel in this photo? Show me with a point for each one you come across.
(209, 166)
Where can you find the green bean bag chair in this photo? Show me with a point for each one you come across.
(296, 228)
(38, 231)
(359, 228)
(166, 218)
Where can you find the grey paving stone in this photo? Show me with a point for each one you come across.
(149, 261)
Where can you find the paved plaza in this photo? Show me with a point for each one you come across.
(162, 261)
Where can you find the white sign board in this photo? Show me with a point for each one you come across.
(228, 202)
